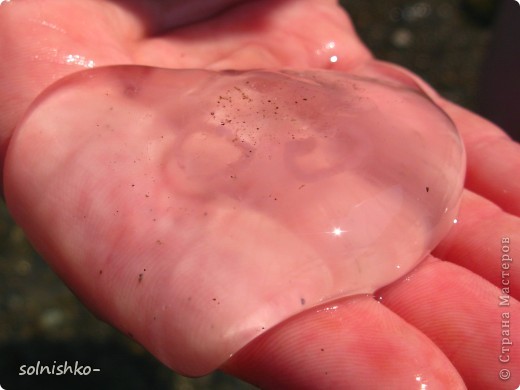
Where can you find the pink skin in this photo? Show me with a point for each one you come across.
(51, 175)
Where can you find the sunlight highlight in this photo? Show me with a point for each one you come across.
(337, 231)
(419, 379)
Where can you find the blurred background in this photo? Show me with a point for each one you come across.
(464, 48)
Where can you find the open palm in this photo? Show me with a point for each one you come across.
(440, 327)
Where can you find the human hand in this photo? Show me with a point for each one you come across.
(461, 322)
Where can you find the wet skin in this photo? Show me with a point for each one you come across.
(417, 319)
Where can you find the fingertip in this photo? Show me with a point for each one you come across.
(351, 343)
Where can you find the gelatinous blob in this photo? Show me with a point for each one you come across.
(195, 210)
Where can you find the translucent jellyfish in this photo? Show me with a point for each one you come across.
(195, 210)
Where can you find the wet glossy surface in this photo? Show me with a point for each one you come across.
(227, 202)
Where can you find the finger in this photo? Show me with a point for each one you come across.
(158, 16)
(485, 240)
(462, 314)
(353, 343)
